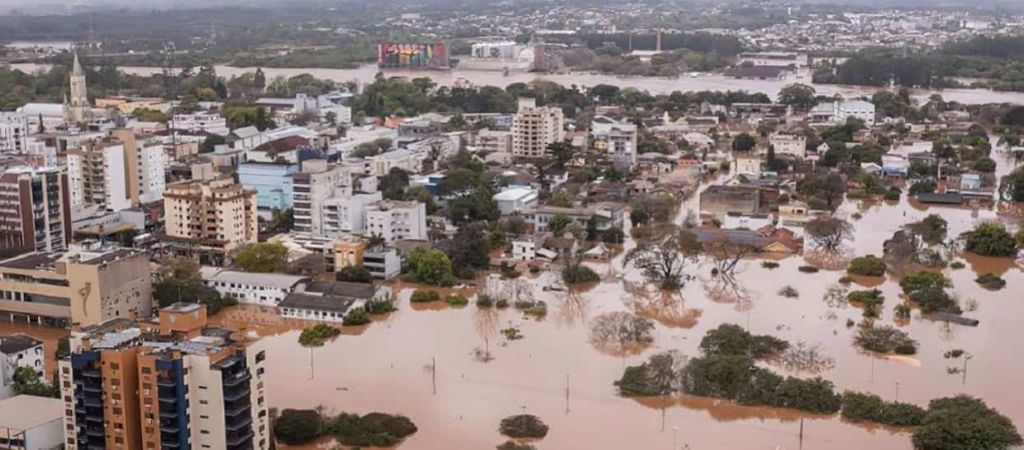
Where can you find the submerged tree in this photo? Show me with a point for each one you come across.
(663, 256)
(621, 331)
(829, 232)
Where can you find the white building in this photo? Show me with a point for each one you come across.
(789, 144)
(97, 175)
(493, 141)
(616, 139)
(748, 164)
(406, 160)
(394, 221)
(200, 122)
(534, 127)
(317, 182)
(329, 301)
(14, 131)
(515, 200)
(28, 422)
(20, 350)
(841, 110)
(345, 214)
(264, 289)
(739, 221)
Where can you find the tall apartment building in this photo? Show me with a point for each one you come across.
(394, 221)
(85, 286)
(345, 215)
(216, 214)
(534, 127)
(34, 210)
(316, 183)
(175, 383)
(117, 172)
(14, 132)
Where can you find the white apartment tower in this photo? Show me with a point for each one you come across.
(13, 132)
(534, 127)
(394, 221)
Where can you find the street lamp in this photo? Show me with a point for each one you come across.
(674, 430)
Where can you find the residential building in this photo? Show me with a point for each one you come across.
(171, 383)
(315, 183)
(534, 127)
(515, 199)
(34, 210)
(117, 172)
(406, 160)
(605, 215)
(393, 220)
(344, 215)
(264, 289)
(22, 350)
(494, 141)
(329, 301)
(748, 164)
(28, 422)
(14, 131)
(840, 110)
(217, 215)
(199, 123)
(381, 262)
(739, 221)
(719, 200)
(85, 286)
(272, 182)
(794, 145)
(616, 139)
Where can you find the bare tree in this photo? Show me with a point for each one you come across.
(829, 232)
(726, 254)
(621, 332)
(664, 255)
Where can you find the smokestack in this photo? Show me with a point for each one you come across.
(657, 42)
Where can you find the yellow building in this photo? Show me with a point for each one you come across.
(82, 287)
(216, 215)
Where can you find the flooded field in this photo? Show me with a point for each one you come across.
(557, 374)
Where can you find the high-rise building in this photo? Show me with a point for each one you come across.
(84, 286)
(34, 210)
(174, 383)
(14, 131)
(216, 214)
(317, 182)
(534, 127)
(76, 107)
(394, 221)
(116, 172)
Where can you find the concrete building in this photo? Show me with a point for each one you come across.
(794, 145)
(84, 286)
(218, 215)
(605, 215)
(265, 289)
(840, 110)
(172, 383)
(329, 301)
(534, 127)
(381, 262)
(493, 141)
(392, 221)
(117, 172)
(34, 210)
(28, 422)
(345, 215)
(406, 160)
(515, 200)
(316, 183)
(14, 131)
(720, 200)
(22, 350)
(199, 123)
(272, 182)
(617, 140)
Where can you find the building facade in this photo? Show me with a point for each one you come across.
(273, 184)
(34, 210)
(392, 221)
(216, 214)
(14, 131)
(535, 127)
(83, 287)
(311, 188)
(76, 106)
(172, 384)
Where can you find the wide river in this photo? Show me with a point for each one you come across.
(654, 85)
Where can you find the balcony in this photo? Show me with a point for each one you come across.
(235, 380)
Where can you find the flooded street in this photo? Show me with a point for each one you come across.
(556, 373)
(654, 85)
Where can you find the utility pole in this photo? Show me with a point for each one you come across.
(897, 390)
(433, 374)
(567, 393)
(967, 357)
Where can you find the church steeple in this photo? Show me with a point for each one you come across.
(77, 110)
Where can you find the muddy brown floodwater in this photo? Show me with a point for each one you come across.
(556, 373)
